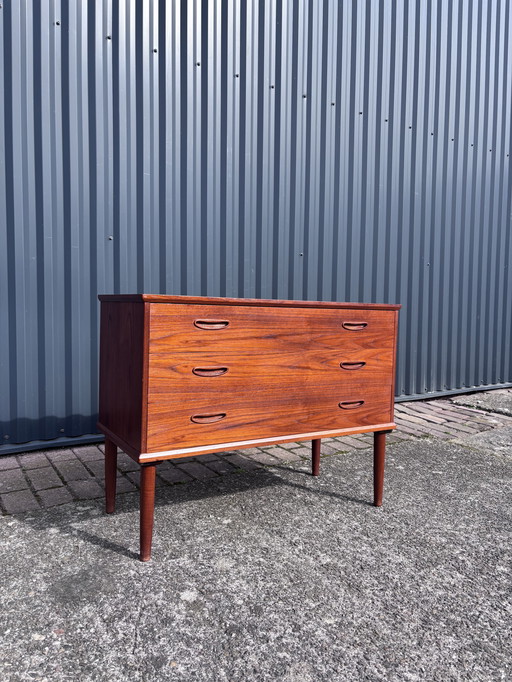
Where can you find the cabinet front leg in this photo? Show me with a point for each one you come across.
(110, 475)
(147, 509)
(315, 457)
(379, 454)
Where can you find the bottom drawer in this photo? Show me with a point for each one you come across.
(230, 420)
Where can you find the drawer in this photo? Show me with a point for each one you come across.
(191, 373)
(246, 329)
(195, 418)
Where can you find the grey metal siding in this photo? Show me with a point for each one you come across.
(354, 150)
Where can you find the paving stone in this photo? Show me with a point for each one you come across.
(329, 448)
(8, 463)
(60, 455)
(349, 442)
(126, 463)
(462, 414)
(72, 471)
(283, 455)
(407, 430)
(97, 468)
(289, 446)
(221, 466)
(54, 497)
(124, 485)
(427, 413)
(197, 470)
(263, 458)
(19, 501)
(86, 490)
(42, 479)
(173, 475)
(241, 462)
(414, 419)
(12, 479)
(335, 442)
(459, 413)
(392, 438)
(302, 452)
(402, 419)
(209, 458)
(250, 451)
(464, 427)
(134, 477)
(88, 453)
(33, 460)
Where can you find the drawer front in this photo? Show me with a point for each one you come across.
(188, 374)
(220, 374)
(258, 329)
(267, 413)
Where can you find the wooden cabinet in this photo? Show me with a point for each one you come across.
(186, 376)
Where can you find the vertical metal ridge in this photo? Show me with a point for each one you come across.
(318, 150)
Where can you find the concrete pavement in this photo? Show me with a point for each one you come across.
(268, 573)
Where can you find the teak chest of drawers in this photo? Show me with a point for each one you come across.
(183, 376)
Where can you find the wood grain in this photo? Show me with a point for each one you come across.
(175, 370)
(265, 330)
(262, 413)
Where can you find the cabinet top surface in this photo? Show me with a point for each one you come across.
(207, 300)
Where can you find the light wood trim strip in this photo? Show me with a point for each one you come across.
(240, 445)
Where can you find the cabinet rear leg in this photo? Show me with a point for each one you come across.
(110, 475)
(147, 509)
(315, 458)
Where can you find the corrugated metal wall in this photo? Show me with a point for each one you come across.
(281, 149)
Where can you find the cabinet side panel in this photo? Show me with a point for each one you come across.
(121, 370)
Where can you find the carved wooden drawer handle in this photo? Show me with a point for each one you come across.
(207, 418)
(351, 404)
(352, 365)
(209, 371)
(211, 324)
(354, 326)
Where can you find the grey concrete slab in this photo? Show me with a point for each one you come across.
(499, 401)
(497, 442)
(273, 575)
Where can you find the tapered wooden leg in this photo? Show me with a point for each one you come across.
(147, 509)
(379, 453)
(110, 475)
(315, 459)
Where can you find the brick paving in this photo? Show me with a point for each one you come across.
(36, 480)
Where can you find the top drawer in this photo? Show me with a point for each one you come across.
(217, 328)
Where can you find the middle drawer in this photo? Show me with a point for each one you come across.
(189, 373)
